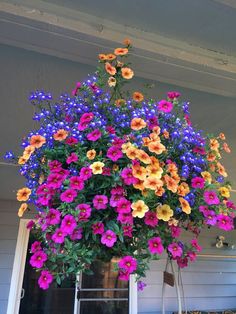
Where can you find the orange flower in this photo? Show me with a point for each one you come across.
(126, 146)
(29, 150)
(154, 137)
(37, 141)
(115, 167)
(110, 57)
(23, 194)
(22, 209)
(212, 167)
(172, 168)
(155, 161)
(120, 102)
(127, 73)
(185, 205)
(110, 69)
(139, 209)
(154, 171)
(22, 160)
(166, 134)
(60, 135)
(170, 183)
(221, 169)
(119, 64)
(139, 172)
(175, 176)
(91, 154)
(159, 191)
(102, 57)
(183, 189)
(137, 96)
(143, 156)
(138, 124)
(206, 176)
(226, 148)
(214, 144)
(156, 130)
(111, 81)
(222, 136)
(156, 147)
(211, 156)
(139, 185)
(127, 42)
(121, 51)
(152, 183)
(146, 141)
(131, 152)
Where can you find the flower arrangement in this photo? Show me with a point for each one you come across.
(118, 176)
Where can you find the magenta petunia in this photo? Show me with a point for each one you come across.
(127, 176)
(36, 246)
(125, 218)
(182, 262)
(114, 153)
(68, 224)
(175, 250)
(84, 211)
(173, 95)
(100, 201)
(199, 150)
(128, 263)
(53, 217)
(194, 243)
(110, 129)
(54, 180)
(123, 206)
(192, 256)
(45, 279)
(225, 222)
(127, 231)
(94, 135)
(150, 219)
(54, 165)
(109, 238)
(211, 198)
(106, 171)
(210, 216)
(165, 106)
(72, 158)
(175, 231)
(68, 196)
(155, 245)
(77, 234)
(98, 228)
(77, 183)
(118, 190)
(123, 275)
(30, 224)
(87, 117)
(198, 183)
(38, 259)
(115, 199)
(71, 141)
(59, 236)
(85, 173)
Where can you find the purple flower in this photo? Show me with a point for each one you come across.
(94, 135)
(225, 222)
(84, 211)
(141, 285)
(198, 183)
(77, 234)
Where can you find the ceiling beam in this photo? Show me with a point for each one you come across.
(50, 29)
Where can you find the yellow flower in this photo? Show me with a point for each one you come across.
(154, 171)
(126, 146)
(152, 183)
(224, 191)
(111, 81)
(185, 205)
(131, 152)
(22, 160)
(23, 194)
(91, 154)
(206, 176)
(22, 209)
(139, 172)
(29, 150)
(139, 209)
(164, 212)
(97, 167)
(143, 156)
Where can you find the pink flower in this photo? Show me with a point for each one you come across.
(187, 119)
(198, 183)
(128, 177)
(225, 222)
(68, 196)
(98, 228)
(55, 165)
(83, 125)
(53, 217)
(87, 117)
(64, 173)
(30, 224)
(211, 198)
(110, 129)
(127, 231)
(141, 285)
(195, 244)
(106, 171)
(45, 279)
(123, 206)
(192, 256)
(77, 183)
(114, 199)
(123, 275)
(182, 262)
(118, 142)
(109, 238)
(114, 153)
(125, 218)
(75, 91)
(210, 216)
(84, 211)
(175, 231)
(119, 190)
(175, 250)
(37, 260)
(44, 189)
(44, 200)
(36, 246)
(77, 234)
(71, 141)
(54, 180)
(203, 209)
(155, 246)
(199, 150)
(72, 158)
(68, 224)
(150, 219)
(173, 95)
(100, 201)
(128, 263)
(94, 135)
(85, 173)
(165, 106)
(59, 236)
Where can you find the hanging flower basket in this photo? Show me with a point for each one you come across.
(115, 174)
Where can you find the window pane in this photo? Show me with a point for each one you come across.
(104, 307)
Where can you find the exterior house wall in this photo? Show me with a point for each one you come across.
(208, 284)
